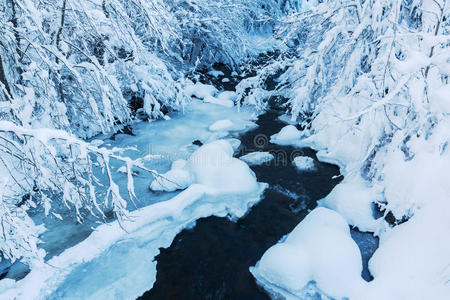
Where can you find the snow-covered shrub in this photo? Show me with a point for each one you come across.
(369, 82)
(65, 69)
(67, 66)
(364, 77)
(72, 69)
(41, 166)
(222, 31)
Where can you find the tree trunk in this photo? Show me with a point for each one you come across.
(58, 40)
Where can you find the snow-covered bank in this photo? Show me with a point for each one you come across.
(221, 185)
(126, 250)
(413, 259)
(369, 90)
(319, 249)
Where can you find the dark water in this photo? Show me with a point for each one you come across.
(211, 260)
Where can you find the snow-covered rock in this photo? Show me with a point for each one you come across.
(257, 158)
(216, 73)
(235, 143)
(200, 90)
(219, 101)
(97, 143)
(304, 163)
(287, 135)
(354, 200)
(221, 125)
(319, 249)
(212, 165)
(178, 178)
(228, 96)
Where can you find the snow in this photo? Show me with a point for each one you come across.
(257, 158)
(221, 125)
(285, 118)
(96, 143)
(235, 143)
(177, 178)
(441, 99)
(216, 73)
(319, 249)
(354, 199)
(413, 260)
(304, 163)
(75, 274)
(212, 165)
(423, 180)
(221, 185)
(214, 100)
(221, 128)
(408, 177)
(225, 98)
(287, 135)
(386, 128)
(228, 96)
(200, 90)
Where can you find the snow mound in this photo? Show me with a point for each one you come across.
(228, 96)
(235, 143)
(221, 125)
(220, 128)
(354, 200)
(216, 73)
(200, 90)
(413, 260)
(304, 163)
(212, 165)
(219, 101)
(319, 249)
(257, 158)
(287, 135)
(177, 178)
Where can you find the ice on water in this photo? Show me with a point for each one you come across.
(215, 184)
